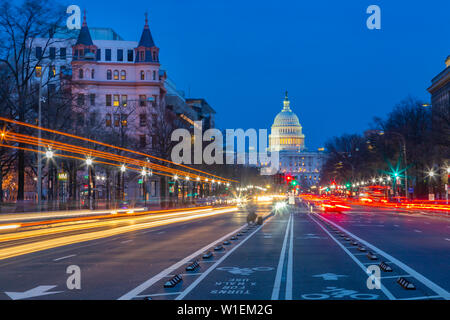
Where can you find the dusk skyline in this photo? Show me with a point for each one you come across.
(335, 69)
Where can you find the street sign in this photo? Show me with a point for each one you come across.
(291, 200)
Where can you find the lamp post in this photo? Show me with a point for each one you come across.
(403, 141)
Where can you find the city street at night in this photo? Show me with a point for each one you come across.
(204, 159)
(295, 255)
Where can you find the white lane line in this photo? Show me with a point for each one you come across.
(421, 298)
(427, 282)
(393, 277)
(148, 283)
(185, 274)
(277, 284)
(126, 241)
(447, 239)
(65, 257)
(214, 266)
(157, 294)
(290, 263)
(363, 267)
(418, 231)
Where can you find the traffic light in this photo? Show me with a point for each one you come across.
(288, 179)
(294, 182)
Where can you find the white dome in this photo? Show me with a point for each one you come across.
(286, 133)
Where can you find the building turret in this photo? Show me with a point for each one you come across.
(146, 50)
(84, 48)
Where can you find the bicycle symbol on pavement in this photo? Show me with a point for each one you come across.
(334, 292)
(244, 271)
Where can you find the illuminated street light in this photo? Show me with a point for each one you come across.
(206, 179)
(143, 172)
(198, 178)
(88, 161)
(431, 173)
(49, 154)
(123, 168)
(187, 178)
(175, 177)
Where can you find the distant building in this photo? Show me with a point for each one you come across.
(288, 140)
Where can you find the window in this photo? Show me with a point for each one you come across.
(92, 99)
(154, 56)
(108, 75)
(108, 119)
(154, 75)
(123, 75)
(116, 100)
(123, 118)
(142, 120)
(154, 140)
(142, 100)
(38, 71)
(98, 55)
(92, 119)
(130, 55)
(108, 100)
(142, 75)
(80, 74)
(62, 53)
(92, 73)
(107, 54)
(141, 55)
(79, 119)
(52, 53)
(142, 141)
(119, 54)
(51, 71)
(116, 75)
(80, 99)
(38, 52)
(124, 100)
(154, 120)
(116, 120)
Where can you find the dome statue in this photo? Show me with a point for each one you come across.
(286, 131)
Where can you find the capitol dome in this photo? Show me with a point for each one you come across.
(286, 131)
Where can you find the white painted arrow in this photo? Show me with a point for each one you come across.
(329, 276)
(35, 292)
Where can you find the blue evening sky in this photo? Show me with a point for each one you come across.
(242, 55)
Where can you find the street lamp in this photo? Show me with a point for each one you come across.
(88, 161)
(123, 168)
(49, 154)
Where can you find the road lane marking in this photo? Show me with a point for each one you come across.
(393, 277)
(422, 298)
(447, 239)
(157, 294)
(362, 266)
(427, 282)
(214, 266)
(288, 293)
(418, 231)
(65, 257)
(126, 241)
(277, 284)
(148, 283)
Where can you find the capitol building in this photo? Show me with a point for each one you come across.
(288, 140)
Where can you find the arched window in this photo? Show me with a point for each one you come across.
(154, 75)
(80, 73)
(92, 74)
(142, 75)
(108, 75)
(116, 74)
(123, 75)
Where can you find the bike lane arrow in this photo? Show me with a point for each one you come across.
(329, 276)
(35, 292)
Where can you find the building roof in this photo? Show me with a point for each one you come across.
(84, 37)
(146, 36)
(286, 118)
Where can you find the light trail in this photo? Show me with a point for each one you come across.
(45, 143)
(106, 145)
(18, 250)
(53, 225)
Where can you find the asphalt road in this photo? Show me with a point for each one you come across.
(294, 255)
